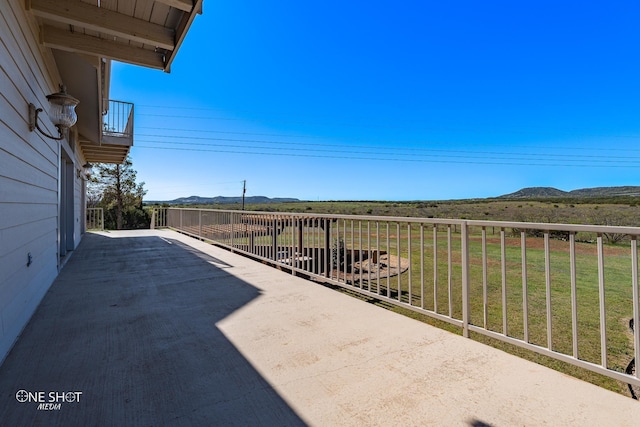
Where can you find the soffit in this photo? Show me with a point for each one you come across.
(141, 32)
(82, 80)
(104, 153)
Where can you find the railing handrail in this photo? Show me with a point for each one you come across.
(542, 226)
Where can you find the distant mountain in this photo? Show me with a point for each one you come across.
(533, 192)
(197, 200)
(546, 192)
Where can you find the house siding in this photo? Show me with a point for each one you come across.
(29, 177)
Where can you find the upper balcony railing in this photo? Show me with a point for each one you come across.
(559, 290)
(117, 123)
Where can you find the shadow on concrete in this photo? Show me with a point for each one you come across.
(130, 323)
(478, 423)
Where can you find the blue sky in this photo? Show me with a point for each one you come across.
(381, 100)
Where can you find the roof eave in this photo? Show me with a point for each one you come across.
(181, 32)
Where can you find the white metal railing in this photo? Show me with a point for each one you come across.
(118, 120)
(95, 219)
(158, 218)
(555, 289)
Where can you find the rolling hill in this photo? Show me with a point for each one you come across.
(550, 192)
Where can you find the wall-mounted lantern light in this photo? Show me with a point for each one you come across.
(87, 169)
(62, 113)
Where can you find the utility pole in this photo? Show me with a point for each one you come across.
(244, 190)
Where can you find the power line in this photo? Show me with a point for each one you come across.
(367, 122)
(299, 136)
(531, 162)
(394, 149)
(397, 151)
(581, 156)
(235, 133)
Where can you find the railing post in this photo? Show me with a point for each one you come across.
(503, 271)
(199, 222)
(547, 279)
(274, 239)
(450, 271)
(231, 225)
(525, 291)
(574, 292)
(636, 303)
(465, 278)
(294, 252)
(603, 310)
(153, 219)
(327, 246)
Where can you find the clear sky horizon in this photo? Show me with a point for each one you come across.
(379, 100)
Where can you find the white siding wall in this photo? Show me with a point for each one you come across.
(29, 177)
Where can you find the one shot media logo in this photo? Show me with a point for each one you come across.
(48, 401)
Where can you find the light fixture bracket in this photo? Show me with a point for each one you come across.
(33, 123)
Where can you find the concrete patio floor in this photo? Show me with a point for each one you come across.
(151, 328)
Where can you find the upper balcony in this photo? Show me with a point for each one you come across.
(116, 138)
(104, 130)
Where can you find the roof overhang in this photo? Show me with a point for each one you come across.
(140, 32)
(82, 77)
(83, 36)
